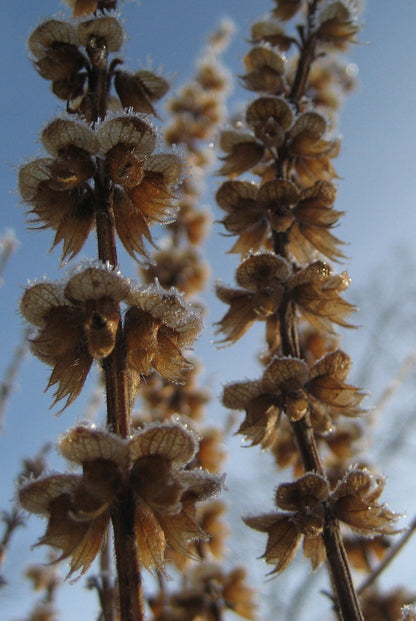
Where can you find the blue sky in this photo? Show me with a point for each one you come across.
(376, 189)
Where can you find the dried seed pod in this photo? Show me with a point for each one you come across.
(354, 501)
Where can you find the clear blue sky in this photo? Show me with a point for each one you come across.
(377, 189)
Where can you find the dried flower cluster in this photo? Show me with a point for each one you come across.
(149, 476)
(104, 171)
(282, 213)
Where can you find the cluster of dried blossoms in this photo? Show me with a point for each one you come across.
(104, 171)
(282, 213)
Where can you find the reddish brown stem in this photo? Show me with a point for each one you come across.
(114, 366)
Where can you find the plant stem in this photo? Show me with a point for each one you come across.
(114, 365)
(346, 597)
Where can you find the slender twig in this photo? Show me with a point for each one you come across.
(7, 384)
(389, 557)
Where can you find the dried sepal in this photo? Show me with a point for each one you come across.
(107, 28)
(327, 384)
(316, 291)
(129, 130)
(48, 34)
(262, 276)
(270, 118)
(354, 502)
(140, 90)
(173, 442)
(265, 70)
(95, 283)
(243, 152)
(38, 300)
(262, 271)
(83, 444)
(314, 216)
(270, 32)
(304, 494)
(63, 133)
(171, 309)
(283, 538)
(337, 24)
(286, 9)
(35, 496)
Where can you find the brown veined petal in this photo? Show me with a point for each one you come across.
(150, 538)
(50, 32)
(95, 283)
(90, 545)
(141, 332)
(283, 538)
(107, 28)
(168, 360)
(82, 444)
(131, 225)
(35, 496)
(129, 130)
(314, 550)
(39, 299)
(306, 492)
(69, 373)
(182, 528)
(62, 133)
(174, 442)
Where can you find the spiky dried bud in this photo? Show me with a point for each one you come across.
(262, 276)
(77, 323)
(158, 325)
